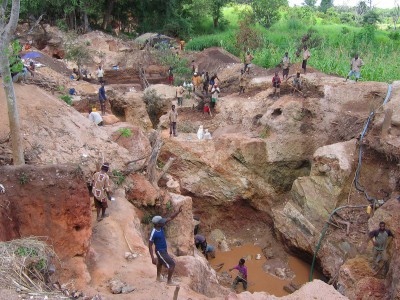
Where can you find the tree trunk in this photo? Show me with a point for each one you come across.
(215, 20)
(85, 22)
(13, 116)
(6, 32)
(107, 14)
(152, 166)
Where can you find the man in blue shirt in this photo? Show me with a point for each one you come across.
(157, 237)
(102, 99)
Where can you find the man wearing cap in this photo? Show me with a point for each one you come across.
(157, 237)
(95, 117)
(101, 191)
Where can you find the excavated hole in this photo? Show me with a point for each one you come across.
(249, 232)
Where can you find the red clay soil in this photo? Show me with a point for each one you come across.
(48, 201)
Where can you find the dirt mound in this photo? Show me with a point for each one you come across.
(66, 136)
(213, 59)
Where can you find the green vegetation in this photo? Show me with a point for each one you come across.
(124, 132)
(147, 217)
(67, 99)
(333, 38)
(23, 178)
(118, 177)
(268, 28)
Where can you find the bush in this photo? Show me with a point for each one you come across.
(67, 99)
(294, 24)
(394, 35)
(345, 30)
(62, 25)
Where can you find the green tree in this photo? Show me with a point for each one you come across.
(370, 18)
(76, 51)
(310, 3)
(248, 37)
(361, 8)
(8, 24)
(267, 11)
(325, 5)
(216, 10)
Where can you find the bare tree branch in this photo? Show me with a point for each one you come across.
(14, 16)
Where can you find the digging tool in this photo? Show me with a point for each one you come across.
(296, 89)
(218, 267)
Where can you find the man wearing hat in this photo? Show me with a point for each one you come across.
(101, 191)
(95, 117)
(157, 237)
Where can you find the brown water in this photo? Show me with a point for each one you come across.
(258, 279)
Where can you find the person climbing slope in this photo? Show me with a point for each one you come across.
(157, 238)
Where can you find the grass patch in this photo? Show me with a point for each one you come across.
(337, 44)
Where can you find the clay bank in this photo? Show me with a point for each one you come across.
(263, 187)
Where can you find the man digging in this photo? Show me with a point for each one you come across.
(157, 237)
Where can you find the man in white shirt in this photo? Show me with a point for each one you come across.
(95, 117)
(355, 67)
(100, 74)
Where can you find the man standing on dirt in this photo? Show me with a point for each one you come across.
(306, 56)
(355, 67)
(276, 83)
(214, 95)
(101, 191)
(285, 65)
(170, 76)
(102, 99)
(247, 62)
(379, 238)
(157, 237)
(173, 117)
(100, 74)
(242, 276)
(179, 94)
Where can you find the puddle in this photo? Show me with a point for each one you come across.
(258, 279)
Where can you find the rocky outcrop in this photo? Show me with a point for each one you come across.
(300, 220)
(48, 201)
(131, 108)
(203, 279)
(180, 230)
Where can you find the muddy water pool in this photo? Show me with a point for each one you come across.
(258, 279)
